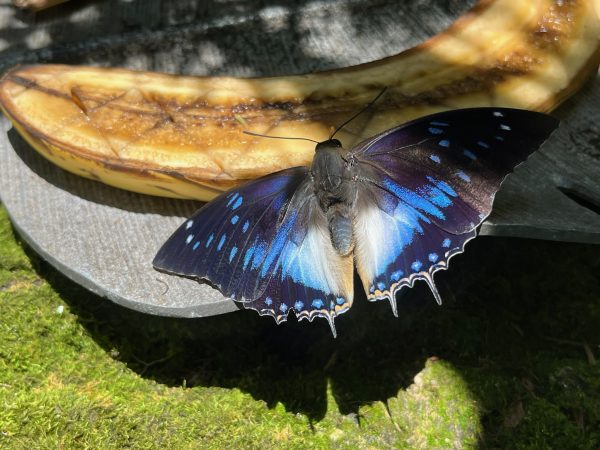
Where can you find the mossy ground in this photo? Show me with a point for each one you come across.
(507, 362)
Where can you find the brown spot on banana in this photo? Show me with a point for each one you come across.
(182, 136)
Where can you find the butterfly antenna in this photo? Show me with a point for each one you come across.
(371, 103)
(279, 137)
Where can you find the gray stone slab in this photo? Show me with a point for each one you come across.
(105, 238)
(101, 237)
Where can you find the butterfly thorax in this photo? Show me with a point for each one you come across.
(335, 191)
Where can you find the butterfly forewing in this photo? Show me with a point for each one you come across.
(427, 186)
(210, 244)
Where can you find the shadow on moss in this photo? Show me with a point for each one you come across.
(520, 324)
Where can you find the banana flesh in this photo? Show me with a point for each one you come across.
(179, 136)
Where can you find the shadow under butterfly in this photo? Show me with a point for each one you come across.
(399, 205)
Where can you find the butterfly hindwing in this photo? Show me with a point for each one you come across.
(428, 184)
(310, 277)
(265, 244)
(396, 245)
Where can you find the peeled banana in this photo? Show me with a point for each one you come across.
(181, 136)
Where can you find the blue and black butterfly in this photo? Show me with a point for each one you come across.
(399, 205)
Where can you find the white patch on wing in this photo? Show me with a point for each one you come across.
(315, 263)
(380, 237)
(372, 230)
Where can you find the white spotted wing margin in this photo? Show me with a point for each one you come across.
(309, 277)
(267, 246)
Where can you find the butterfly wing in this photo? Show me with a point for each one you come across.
(267, 245)
(428, 184)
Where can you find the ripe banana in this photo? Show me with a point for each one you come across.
(180, 136)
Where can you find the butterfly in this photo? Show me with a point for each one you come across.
(397, 206)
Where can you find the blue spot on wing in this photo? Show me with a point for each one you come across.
(463, 176)
(232, 198)
(318, 303)
(221, 242)
(248, 256)
(237, 203)
(469, 154)
(416, 266)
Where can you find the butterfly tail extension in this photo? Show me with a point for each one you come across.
(431, 283)
(394, 304)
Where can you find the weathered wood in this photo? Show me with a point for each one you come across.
(37, 5)
(556, 194)
(105, 238)
(221, 37)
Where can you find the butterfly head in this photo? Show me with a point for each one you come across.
(329, 144)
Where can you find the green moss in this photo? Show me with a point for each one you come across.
(508, 362)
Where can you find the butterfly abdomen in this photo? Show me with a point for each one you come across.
(339, 218)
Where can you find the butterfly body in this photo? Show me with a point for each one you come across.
(335, 186)
(397, 207)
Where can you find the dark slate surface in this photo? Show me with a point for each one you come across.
(105, 238)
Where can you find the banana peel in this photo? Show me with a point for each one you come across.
(181, 136)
